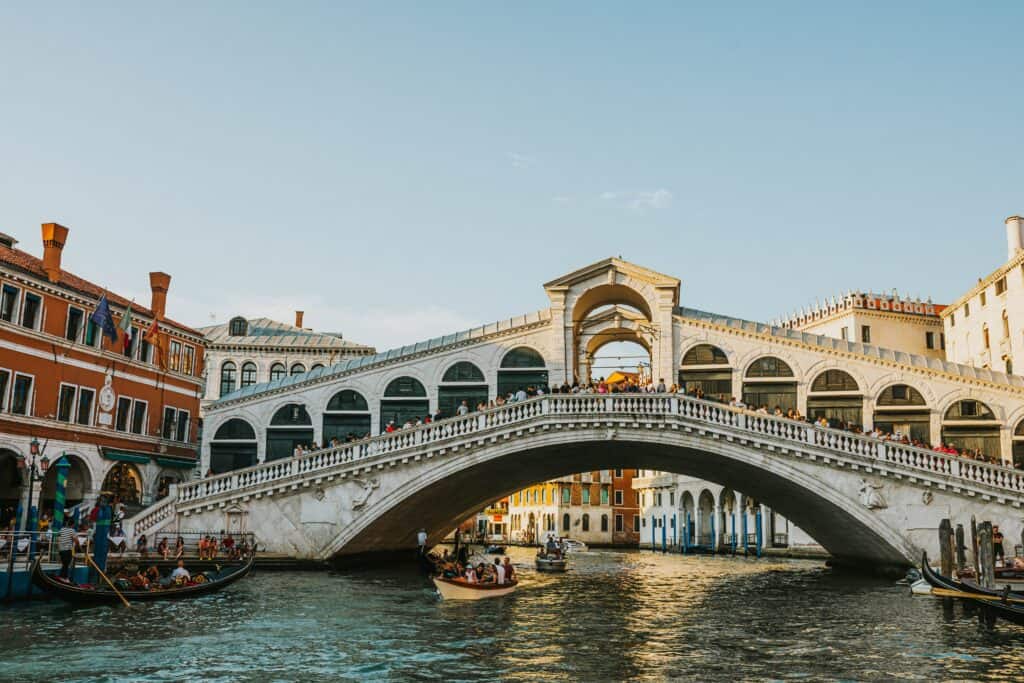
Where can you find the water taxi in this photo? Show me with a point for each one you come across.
(460, 589)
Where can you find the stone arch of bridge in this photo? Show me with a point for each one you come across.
(451, 491)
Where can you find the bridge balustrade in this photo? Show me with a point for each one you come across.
(640, 405)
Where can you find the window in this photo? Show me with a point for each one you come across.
(145, 348)
(30, 311)
(636, 498)
(671, 497)
(5, 378)
(604, 523)
(174, 357)
(586, 522)
(316, 366)
(170, 417)
(967, 310)
(298, 369)
(21, 397)
(227, 378)
(8, 303)
(619, 525)
(463, 371)
(984, 337)
(74, 328)
(636, 523)
(129, 348)
(248, 375)
(1006, 326)
(618, 474)
(604, 495)
(659, 500)
(952, 319)
(565, 522)
(983, 298)
(124, 409)
(238, 327)
(85, 400)
(586, 495)
(929, 340)
(942, 340)
(139, 417)
(705, 354)
(92, 333)
(1001, 286)
(844, 333)
(769, 366)
(566, 495)
(181, 432)
(618, 497)
(188, 359)
(65, 402)
(865, 334)
(277, 371)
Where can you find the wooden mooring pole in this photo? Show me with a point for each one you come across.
(961, 550)
(946, 547)
(987, 577)
(974, 548)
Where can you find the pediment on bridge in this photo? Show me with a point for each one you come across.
(615, 313)
(609, 269)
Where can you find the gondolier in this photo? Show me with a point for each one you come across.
(66, 544)
(421, 541)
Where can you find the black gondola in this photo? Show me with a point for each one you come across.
(103, 595)
(993, 607)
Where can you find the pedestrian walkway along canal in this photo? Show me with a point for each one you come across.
(616, 616)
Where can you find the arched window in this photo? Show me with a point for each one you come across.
(843, 411)
(834, 380)
(521, 368)
(347, 417)
(463, 371)
(298, 368)
(522, 357)
(586, 522)
(969, 410)
(347, 399)
(565, 522)
(971, 425)
(316, 366)
(450, 398)
(604, 523)
(277, 371)
(1006, 326)
(248, 375)
(769, 366)
(227, 378)
(984, 337)
(901, 408)
(233, 446)
(710, 382)
(1018, 446)
(705, 354)
(403, 387)
(291, 426)
(405, 400)
(238, 327)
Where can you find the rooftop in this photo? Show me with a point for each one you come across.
(868, 301)
(265, 332)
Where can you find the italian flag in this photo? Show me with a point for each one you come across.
(126, 327)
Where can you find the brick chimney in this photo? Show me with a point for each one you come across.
(1014, 235)
(298, 319)
(158, 283)
(54, 237)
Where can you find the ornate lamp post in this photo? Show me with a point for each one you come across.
(36, 471)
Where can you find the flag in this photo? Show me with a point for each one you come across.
(126, 327)
(101, 316)
(153, 338)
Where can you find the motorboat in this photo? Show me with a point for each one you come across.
(460, 589)
(570, 545)
(551, 563)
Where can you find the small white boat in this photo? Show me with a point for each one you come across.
(572, 546)
(551, 563)
(460, 589)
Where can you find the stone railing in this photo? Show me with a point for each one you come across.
(592, 407)
(154, 515)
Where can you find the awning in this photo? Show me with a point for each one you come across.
(180, 464)
(125, 456)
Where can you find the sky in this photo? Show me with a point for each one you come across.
(404, 170)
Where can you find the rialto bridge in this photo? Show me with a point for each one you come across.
(862, 498)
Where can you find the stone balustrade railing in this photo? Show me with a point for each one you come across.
(590, 406)
(152, 516)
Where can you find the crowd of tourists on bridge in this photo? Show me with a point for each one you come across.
(635, 385)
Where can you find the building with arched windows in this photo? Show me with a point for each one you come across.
(245, 352)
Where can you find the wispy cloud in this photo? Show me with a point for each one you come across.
(521, 160)
(639, 200)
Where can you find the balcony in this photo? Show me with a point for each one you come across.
(659, 481)
(606, 476)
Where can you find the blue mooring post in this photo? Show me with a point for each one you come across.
(760, 537)
(664, 535)
(686, 533)
(33, 528)
(675, 529)
(654, 541)
(100, 540)
(732, 521)
(743, 531)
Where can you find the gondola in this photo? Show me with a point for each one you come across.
(992, 606)
(95, 595)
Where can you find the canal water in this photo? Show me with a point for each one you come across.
(617, 616)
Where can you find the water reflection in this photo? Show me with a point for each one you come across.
(617, 616)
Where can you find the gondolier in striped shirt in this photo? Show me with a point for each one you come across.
(65, 544)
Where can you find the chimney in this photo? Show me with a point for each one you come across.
(298, 319)
(158, 283)
(54, 236)
(1014, 235)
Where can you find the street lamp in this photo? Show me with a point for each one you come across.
(36, 471)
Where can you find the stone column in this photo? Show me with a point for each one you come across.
(935, 421)
(719, 526)
(1006, 445)
(868, 414)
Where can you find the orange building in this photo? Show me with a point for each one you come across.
(124, 412)
(625, 508)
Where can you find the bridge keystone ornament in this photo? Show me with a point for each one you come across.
(368, 487)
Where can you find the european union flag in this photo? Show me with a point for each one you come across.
(101, 316)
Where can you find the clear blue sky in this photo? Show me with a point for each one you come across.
(405, 170)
